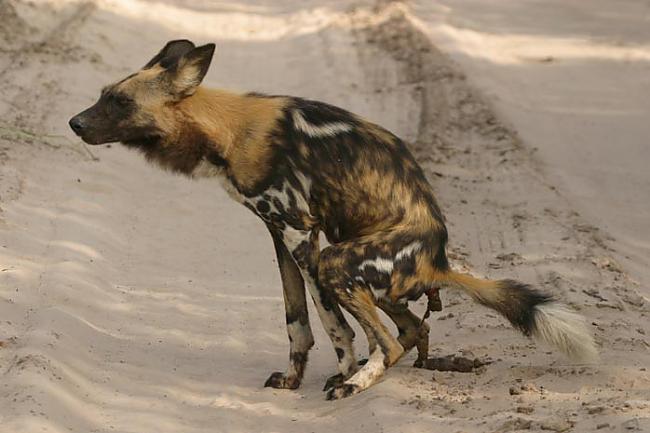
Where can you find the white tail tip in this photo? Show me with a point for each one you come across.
(561, 327)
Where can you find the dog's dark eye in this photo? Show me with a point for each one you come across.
(121, 100)
(118, 101)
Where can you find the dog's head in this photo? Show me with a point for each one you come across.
(140, 107)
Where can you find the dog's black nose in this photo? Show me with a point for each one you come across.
(76, 124)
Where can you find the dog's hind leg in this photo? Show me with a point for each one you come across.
(387, 351)
(339, 273)
(412, 330)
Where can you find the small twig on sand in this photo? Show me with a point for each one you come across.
(25, 134)
(454, 363)
(83, 145)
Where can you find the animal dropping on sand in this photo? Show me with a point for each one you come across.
(305, 167)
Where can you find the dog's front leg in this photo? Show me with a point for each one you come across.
(303, 246)
(295, 304)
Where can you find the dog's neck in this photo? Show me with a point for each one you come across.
(220, 115)
(232, 129)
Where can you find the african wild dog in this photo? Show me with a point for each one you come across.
(304, 167)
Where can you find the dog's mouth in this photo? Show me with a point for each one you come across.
(134, 141)
(142, 142)
(94, 140)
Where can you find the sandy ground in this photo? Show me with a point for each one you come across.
(136, 301)
(573, 78)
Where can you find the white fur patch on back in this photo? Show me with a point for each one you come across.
(565, 329)
(408, 250)
(326, 130)
(380, 263)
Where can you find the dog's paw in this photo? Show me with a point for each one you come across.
(419, 363)
(279, 380)
(338, 379)
(333, 381)
(343, 390)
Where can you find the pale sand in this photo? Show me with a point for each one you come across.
(132, 300)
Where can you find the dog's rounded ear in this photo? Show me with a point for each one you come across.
(191, 69)
(171, 53)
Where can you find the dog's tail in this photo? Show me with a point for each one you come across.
(534, 313)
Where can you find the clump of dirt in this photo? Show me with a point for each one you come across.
(454, 363)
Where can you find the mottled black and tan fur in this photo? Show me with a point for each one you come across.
(306, 167)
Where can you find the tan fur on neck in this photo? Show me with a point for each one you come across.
(238, 126)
